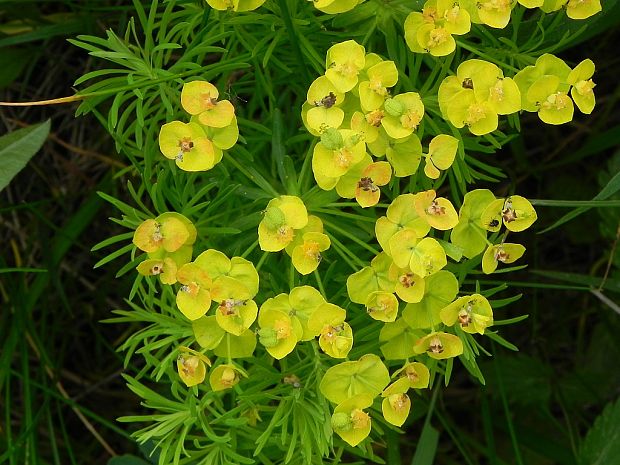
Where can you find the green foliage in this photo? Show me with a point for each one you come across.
(601, 443)
(278, 411)
(17, 148)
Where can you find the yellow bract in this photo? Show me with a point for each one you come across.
(278, 332)
(438, 212)
(396, 403)
(335, 335)
(191, 366)
(477, 95)
(350, 421)
(472, 312)
(283, 216)
(439, 345)
(188, 145)
(441, 153)
(168, 233)
(431, 30)
(516, 212)
(194, 296)
(224, 377)
(343, 64)
(335, 6)
(201, 98)
(505, 253)
(235, 5)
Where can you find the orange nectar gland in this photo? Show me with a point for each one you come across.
(311, 250)
(185, 145)
(464, 315)
(399, 402)
(359, 419)
(192, 288)
(189, 364)
(410, 120)
(374, 118)
(437, 37)
(285, 234)
(557, 101)
(330, 332)
(282, 328)
(435, 346)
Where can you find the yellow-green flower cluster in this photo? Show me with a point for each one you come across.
(287, 226)
(353, 385)
(481, 213)
(192, 369)
(411, 270)
(198, 145)
(235, 5)
(432, 30)
(333, 7)
(168, 241)
(477, 95)
(545, 88)
(353, 112)
(303, 315)
(496, 13)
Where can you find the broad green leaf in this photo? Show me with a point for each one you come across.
(427, 446)
(18, 147)
(602, 443)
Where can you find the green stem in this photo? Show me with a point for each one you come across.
(249, 175)
(511, 430)
(319, 283)
(249, 249)
(343, 252)
(344, 214)
(262, 260)
(292, 34)
(482, 235)
(486, 56)
(291, 276)
(350, 236)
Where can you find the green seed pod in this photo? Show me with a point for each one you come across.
(332, 139)
(394, 107)
(341, 422)
(268, 337)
